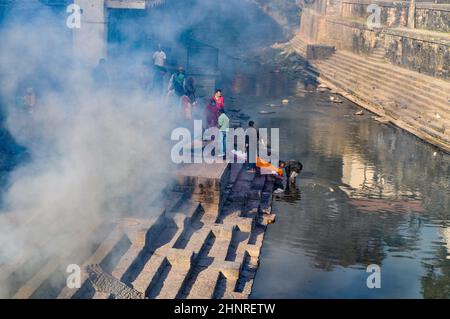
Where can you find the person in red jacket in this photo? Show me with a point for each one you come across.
(220, 103)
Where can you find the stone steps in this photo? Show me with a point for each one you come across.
(437, 87)
(100, 254)
(365, 92)
(56, 264)
(41, 273)
(420, 104)
(428, 94)
(407, 122)
(432, 87)
(298, 44)
(434, 93)
(183, 253)
(146, 275)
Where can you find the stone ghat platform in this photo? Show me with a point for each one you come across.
(205, 244)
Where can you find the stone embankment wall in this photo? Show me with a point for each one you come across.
(424, 48)
(399, 68)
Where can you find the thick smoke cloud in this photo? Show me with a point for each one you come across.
(94, 154)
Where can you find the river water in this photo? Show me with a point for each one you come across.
(369, 194)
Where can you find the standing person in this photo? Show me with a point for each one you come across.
(189, 89)
(188, 99)
(159, 58)
(224, 125)
(177, 81)
(159, 69)
(251, 163)
(212, 112)
(220, 102)
(176, 88)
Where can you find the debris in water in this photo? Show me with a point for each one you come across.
(435, 154)
(359, 113)
(285, 101)
(380, 119)
(266, 112)
(335, 99)
(278, 191)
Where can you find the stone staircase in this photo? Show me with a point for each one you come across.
(415, 102)
(378, 54)
(205, 244)
(299, 44)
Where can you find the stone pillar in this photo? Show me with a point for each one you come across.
(412, 14)
(90, 40)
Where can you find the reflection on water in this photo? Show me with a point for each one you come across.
(369, 194)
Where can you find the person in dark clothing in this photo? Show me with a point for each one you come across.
(176, 84)
(189, 89)
(278, 180)
(251, 166)
(212, 113)
(292, 169)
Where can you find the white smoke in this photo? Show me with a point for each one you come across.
(95, 155)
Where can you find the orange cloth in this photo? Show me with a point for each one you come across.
(266, 167)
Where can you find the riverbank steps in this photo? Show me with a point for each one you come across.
(205, 243)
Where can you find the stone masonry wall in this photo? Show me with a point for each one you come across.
(403, 47)
(427, 57)
(428, 16)
(433, 18)
(393, 14)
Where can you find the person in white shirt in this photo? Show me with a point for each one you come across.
(159, 57)
(159, 61)
(224, 125)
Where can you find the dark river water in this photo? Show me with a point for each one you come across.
(369, 193)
